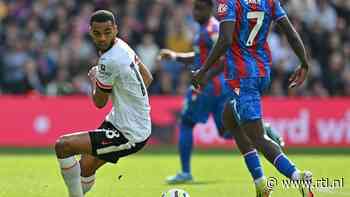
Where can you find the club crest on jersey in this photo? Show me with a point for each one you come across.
(222, 9)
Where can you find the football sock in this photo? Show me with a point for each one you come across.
(296, 175)
(284, 165)
(70, 170)
(87, 183)
(253, 163)
(185, 147)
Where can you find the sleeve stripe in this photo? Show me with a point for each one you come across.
(103, 86)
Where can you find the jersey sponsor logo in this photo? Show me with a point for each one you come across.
(102, 70)
(102, 67)
(222, 9)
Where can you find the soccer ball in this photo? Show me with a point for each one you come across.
(175, 193)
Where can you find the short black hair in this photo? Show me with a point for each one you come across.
(208, 2)
(102, 16)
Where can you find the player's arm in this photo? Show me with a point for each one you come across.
(227, 16)
(99, 94)
(145, 73)
(216, 70)
(224, 41)
(284, 25)
(186, 58)
(294, 40)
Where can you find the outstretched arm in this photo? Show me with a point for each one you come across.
(299, 76)
(186, 58)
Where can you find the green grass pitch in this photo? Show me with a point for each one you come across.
(217, 174)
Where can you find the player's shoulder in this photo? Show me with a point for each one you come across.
(213, 26)
(214, 22)
(120, 54)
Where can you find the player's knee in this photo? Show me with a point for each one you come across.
(87, 169)
(259, 142)
(62, 146)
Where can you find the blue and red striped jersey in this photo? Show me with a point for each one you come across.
(203, 42)
(249, 55)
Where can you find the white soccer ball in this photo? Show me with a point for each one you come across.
(175, 193)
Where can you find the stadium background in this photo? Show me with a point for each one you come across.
(45, 53)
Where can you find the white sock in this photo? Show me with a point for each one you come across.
(296, 175)
(257, 181)
(87, 183)
(70, 170)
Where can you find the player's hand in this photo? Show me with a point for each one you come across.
(198, 78)
(92, 74)
(166, 54)
(298, 77)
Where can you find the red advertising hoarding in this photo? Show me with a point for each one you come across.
(38, 121)
(307, 122)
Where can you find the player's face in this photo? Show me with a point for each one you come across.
(201, 11)
(103, 34)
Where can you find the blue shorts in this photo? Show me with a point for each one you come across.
(246, 102)
(198, 106)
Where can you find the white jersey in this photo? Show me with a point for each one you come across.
(118, 71)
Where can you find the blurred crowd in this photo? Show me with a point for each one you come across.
(45, 47)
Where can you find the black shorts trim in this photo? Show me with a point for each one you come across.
(109, 144)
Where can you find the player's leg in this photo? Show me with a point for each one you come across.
(218, 114)
(244, 143)
(276, 157)
(66, 147)
(195, 110)
(273, 135)
(185, 146)
(246, 109)
(89, 164)
(231, 123)
(249, 109)
(226, 133)
(246, 147)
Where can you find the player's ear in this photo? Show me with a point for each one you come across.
(116, 29)
(90, 31)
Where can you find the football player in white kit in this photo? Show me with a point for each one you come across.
(121, 76)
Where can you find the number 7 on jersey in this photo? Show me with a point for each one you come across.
(260, 18)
